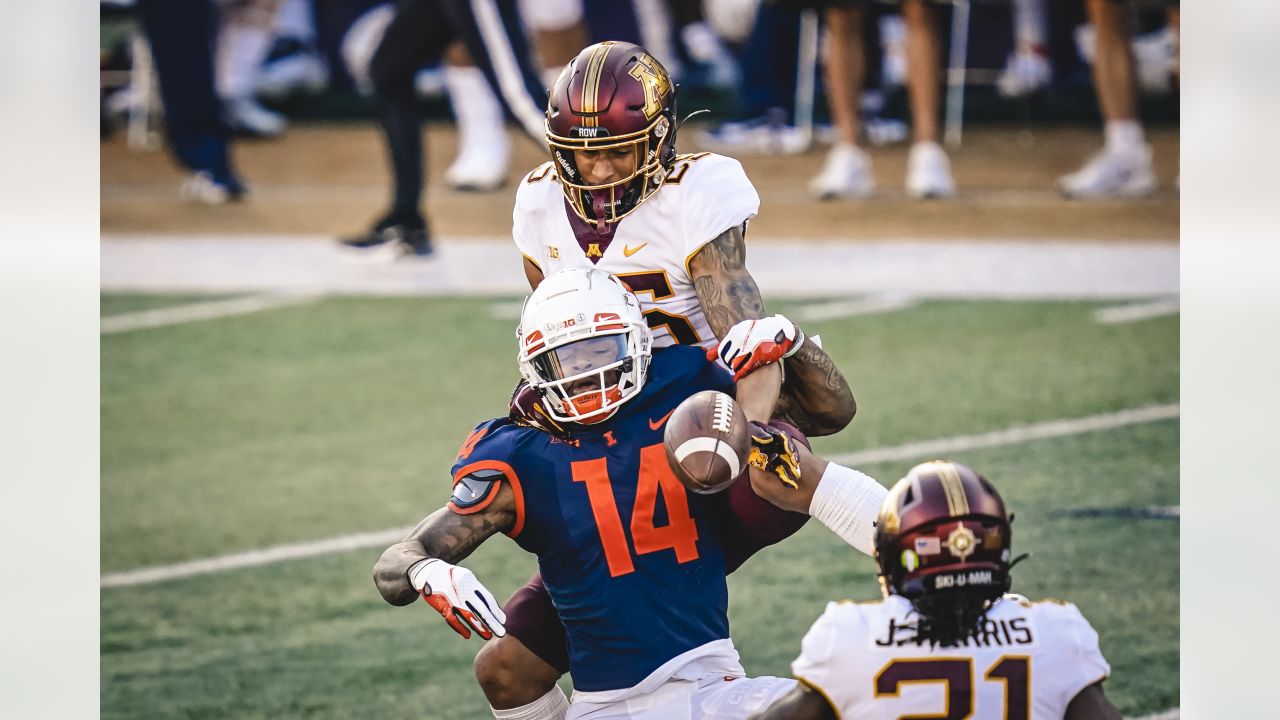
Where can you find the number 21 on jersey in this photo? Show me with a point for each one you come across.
(956, 676)
(679, 534)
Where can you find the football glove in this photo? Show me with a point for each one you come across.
(459, 597)
(773, 451)
(752, 344)
(525, 408)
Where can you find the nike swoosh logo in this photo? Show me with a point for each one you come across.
(632, 251)
(655, 425)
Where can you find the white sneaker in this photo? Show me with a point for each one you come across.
(929, 172)
(480, 167)
(1025, 72)
(1112, 173)
(245, 115)
(845, 174)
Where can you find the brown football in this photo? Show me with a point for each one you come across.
(707, 441)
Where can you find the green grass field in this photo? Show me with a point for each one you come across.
(343, 416)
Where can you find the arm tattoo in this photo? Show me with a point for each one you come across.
(452, 537)
(726, 290)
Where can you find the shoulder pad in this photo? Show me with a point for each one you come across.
(473, 491)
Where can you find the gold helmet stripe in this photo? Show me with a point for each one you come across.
(591, 84)
(957, 501)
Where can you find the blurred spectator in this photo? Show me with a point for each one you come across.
(1123, 167)
(243, 43)
(181, 34)
(847, 172)
(415, 34)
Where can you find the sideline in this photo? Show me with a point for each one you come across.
(295, 551)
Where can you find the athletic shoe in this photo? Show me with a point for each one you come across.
(481, 166)
(1026, 71)
(210, 188)
(846, 173)
(929, 172)
(391, 239)
(1112, 173)
(247, 117)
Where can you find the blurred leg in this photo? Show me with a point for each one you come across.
(243, 44)
(924, 53)
(846, 173)
(484, 151)
(181, 35)
(1123, 168)
(1112, 65)
(845, 65)
(928, 169)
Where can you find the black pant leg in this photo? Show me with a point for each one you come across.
(181, 34)
(417, 36)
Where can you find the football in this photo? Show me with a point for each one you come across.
(707, 441)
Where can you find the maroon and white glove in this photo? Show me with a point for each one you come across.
(525, 408)
(459, 597)
(752, 344)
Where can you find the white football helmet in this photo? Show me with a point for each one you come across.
(584, 345)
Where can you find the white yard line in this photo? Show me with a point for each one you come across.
(196, 312)
(1010, 436)
(254, 558)
(1136, 311)
(942, 446)
(839, 309)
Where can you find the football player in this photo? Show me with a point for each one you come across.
(948, 640)
(617, 196)
(634, 565)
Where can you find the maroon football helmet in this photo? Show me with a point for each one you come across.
(612, 95)
(943, 531)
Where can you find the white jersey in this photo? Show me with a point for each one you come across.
(1029, 662)
(704, 195)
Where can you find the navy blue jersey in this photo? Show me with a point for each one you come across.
(630, 558)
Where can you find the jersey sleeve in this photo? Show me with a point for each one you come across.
(1078, 661)
(821, 665)
(527, 209)
(483, 464)
(718, 196)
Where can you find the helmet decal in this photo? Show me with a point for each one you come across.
(655, 84)
(590, 102)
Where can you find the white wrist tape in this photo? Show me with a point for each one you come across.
(418, 572)
(848, 502)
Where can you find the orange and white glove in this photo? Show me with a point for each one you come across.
(457, 595)
(752, 344)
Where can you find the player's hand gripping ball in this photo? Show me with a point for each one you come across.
(707, 440)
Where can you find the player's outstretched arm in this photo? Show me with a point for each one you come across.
(816, 397)
(421, 565)
(1091, 704)
(444, 534)
(802, 703)
(843, 499)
